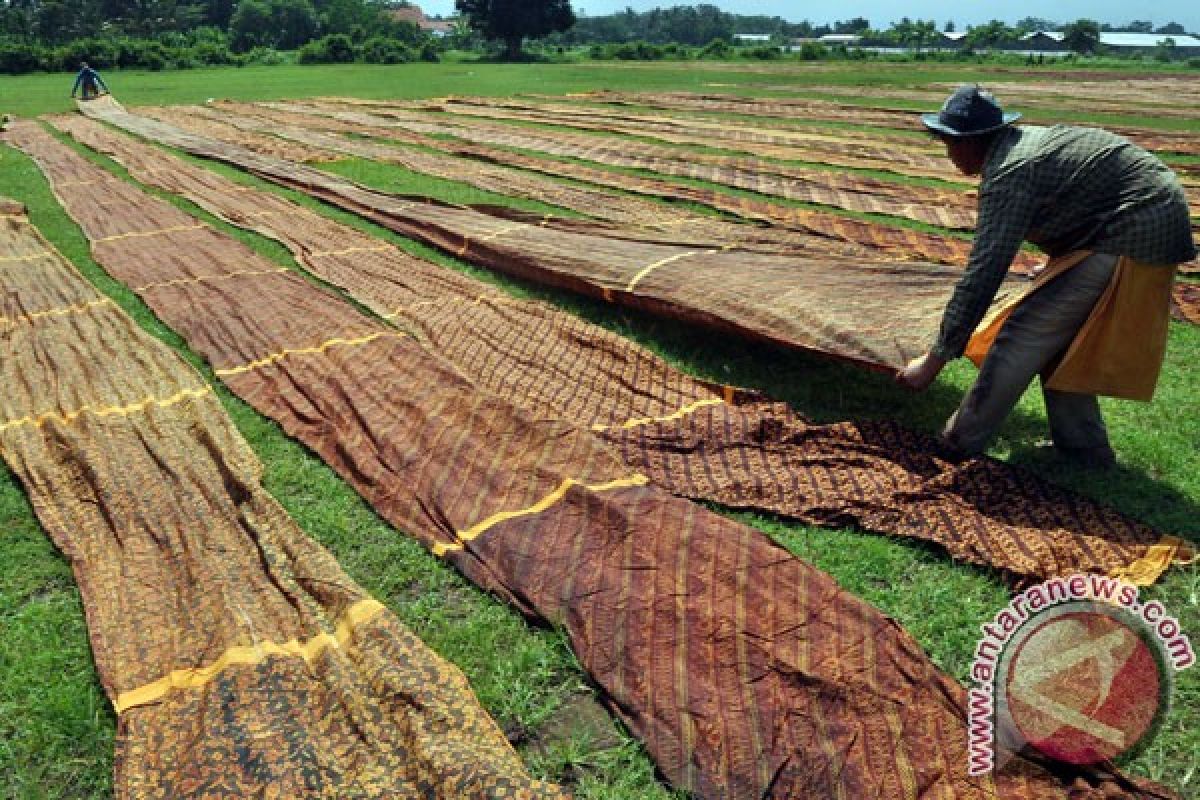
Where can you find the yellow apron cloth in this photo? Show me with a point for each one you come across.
(1119, 350)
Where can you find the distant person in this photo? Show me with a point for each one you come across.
(90, 81)
(1114, 221)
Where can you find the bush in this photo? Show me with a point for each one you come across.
(265, 56)
(382, 50)
(142, 53)
(764, 53)
(811, 51)
(211, 54)
(336, 48)
(99, 53)
(1194, 63)
(717, 48)
(637, 51)
(429, 52)
(18, 59)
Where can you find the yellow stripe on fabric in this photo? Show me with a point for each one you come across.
(106, 411)
(357, 615)
(29, 257)
(475, 531)
(141, 234)
(301, 351)
(349, 250)
(690, 408)
(662, 263)
(60, 312)
(492, 236)
(203, 278)
(1158, 558)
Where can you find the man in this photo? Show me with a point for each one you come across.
(1114, 221)
(90, 80)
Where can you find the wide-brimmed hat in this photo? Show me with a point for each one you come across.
(970, 111)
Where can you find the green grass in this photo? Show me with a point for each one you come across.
(56, 734)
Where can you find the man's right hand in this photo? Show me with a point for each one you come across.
(920, 372)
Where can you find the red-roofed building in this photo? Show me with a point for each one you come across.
(414, 14)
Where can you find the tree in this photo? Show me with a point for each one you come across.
(511, 21)
(1032, 24)
(1172, 28)
(1082, 35)
(949, 26)
(989, 35)
(1140, 26)
(283, 24)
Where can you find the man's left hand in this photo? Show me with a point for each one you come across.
(920, 372)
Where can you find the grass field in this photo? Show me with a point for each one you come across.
(56, 727)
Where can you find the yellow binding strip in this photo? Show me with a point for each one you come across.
(475, 531)
(356, 616)
(105, 411)
(1157, 560)
(690, 408)
(662, 263)
(29, 257)
(383, 248)
(141, 234)
(60, 312)
(320, 348)
(203, 278)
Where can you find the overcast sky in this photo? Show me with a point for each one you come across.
(882, 14)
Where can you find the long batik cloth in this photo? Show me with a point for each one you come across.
(239, 657)
(687, 436)
(745, 671)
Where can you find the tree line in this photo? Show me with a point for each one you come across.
(158, 34)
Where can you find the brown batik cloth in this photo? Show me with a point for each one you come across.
(745, 671)
(241, 660)
(695, 439)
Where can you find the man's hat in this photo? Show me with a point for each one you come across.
(970, 111)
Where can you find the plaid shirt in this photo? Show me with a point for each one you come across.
(1064, 189)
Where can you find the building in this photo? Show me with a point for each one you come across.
(414, 14)
(752, 38)
(844, 39)
(1119, 42)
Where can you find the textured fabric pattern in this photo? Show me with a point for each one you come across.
(241, 660)
(694, 439)
(794, 301)
(824, 187)
(745, 671)
(902, 118)
(891, 242)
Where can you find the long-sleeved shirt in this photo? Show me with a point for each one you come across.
(88, 75)
(1065, 188)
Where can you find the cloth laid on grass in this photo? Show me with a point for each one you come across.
(746, 672)
(659, 221)
(822, 187)
(895, 154)
(751, 453)
(895, 241)
(1182, 142)
(879, 158)
(726, 134)
(879, 315)
(891, 241)
(241, 660)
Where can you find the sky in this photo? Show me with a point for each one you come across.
(881, 14)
